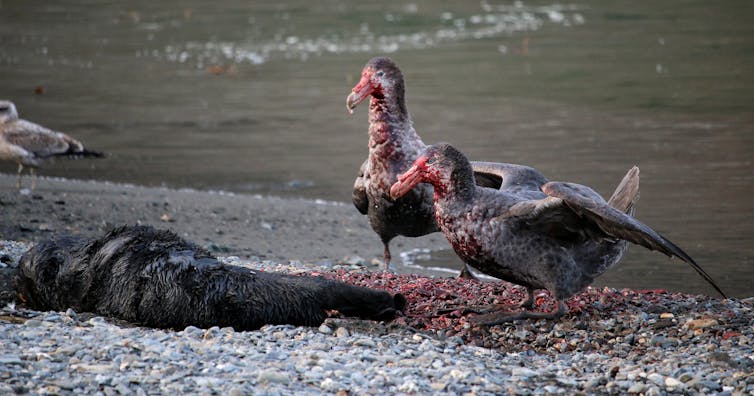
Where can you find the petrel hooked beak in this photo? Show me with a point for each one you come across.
(409, 179)
(361, 91)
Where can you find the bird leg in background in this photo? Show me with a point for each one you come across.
(504, 317)
(20, 174)
(33, 175)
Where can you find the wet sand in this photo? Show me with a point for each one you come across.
(271, 228)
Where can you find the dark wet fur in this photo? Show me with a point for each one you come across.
(157, 279)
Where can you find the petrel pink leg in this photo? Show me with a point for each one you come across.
(466, 272)
(529, 302)
(386, 255)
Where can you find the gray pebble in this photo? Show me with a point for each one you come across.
(10, 360)
(657, 379)
(33, 323)
(273, 376)
(523, 372)
(637, 387)
(99, 357)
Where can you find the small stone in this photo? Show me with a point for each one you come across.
(211, 333)
(33, 323)
(193, 331)
(71, 313)
(92, 368)
(458, 374)
(719, 357)
(637, 387)
(667, 315)
(438, 386)
(354, 260)
(686, 377)
(63, 384)
(653, 391)
(408, 387)
(523, 372)
(342, 332)
(273, 376)
(11, 359)
(51, 390)
(358, 378)
(552, 389)
(671, 382)
(365, 342)
(657, 379)
(328, 384)
(662, 324)
(52, 317)
(595, 382)
(701, 323)
(166, 218)
(324, 329)
(97, 321)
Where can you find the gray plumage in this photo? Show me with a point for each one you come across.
(30, 145)
(532, 232)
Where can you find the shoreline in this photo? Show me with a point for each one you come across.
(613, 341)
(264, 227)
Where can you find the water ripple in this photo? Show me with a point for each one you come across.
(492, 21)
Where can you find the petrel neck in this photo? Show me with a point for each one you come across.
(390, 107)
(389, 121)
(456, 184)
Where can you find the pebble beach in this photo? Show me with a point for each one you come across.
(612, 341)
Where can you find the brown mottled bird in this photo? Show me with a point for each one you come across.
(393, 146)
(29, 144)
(532, 232)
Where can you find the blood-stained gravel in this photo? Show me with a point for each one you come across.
(611, 342)
(596, 317)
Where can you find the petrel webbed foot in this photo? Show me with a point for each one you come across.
(501, 317)
(386, 255)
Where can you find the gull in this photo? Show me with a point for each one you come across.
(29, 144)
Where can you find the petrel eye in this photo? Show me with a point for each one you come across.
(380, 73)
